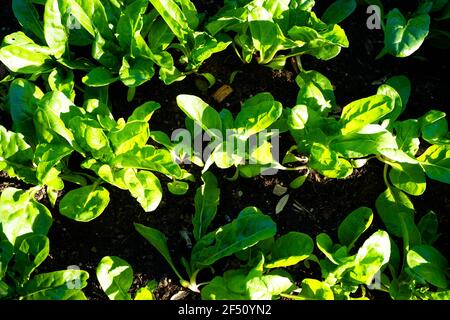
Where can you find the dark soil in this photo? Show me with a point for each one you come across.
(323, 202)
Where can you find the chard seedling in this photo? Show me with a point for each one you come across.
(24, 246)
(273, 31)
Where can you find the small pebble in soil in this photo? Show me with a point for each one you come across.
(279, 190)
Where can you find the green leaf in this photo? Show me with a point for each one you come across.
(126, 138)
(313, 289)
(157, 239)
(250, 227)
(257, 113)
(116, 277)
(145, 187)
(199, 111)
(21, 214)
(360, 113)
(299, 181)
(267, 39)
(436, 162)
(173, 16)
(372, 255)
(135, 72)
(409, 178)
(338, 11)
(407, 135)
(31, 250)
(146, 293)
(434, 126)
(240, 285)
(308, 82)
(16, 156)
(149, 158)
(84, 204)
(28, 17)
(7, 250)
(99, 77)
(23, 98)
(62, 80)
(144, 112)
(57, 285)
(206, 202)
(205, 46)
(49, 117)
(428, 227)
(54, 31)
(91, 137)
(354, 225)
(396, 101)
(178, 188)
(404, 37)
(402, 85)
(22, 59)
(327, 162)
(396, 211)
(290, 249)
(429, 264)
(130, 22)
(372, 139)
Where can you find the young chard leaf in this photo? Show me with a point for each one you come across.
(199, 111)
(290, 249)
(436, 162)
(404, 37)
(54, 286)
(354, 225)
(84, 204)
(54, 31)
(116, 277)
(159, 241)
(338, 11)
(396, 211)
(429, 264)
(206, 202)
(360, 113)
(21, 214)
(250, 227)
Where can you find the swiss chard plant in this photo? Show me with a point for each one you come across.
(242, 141)
(24, 246)
(273, 31)
(345, 267)
(247, 236)
(127, 40)
(334, 143)
(49, 128)
(250, 227)
(417, 270)
(404, 35)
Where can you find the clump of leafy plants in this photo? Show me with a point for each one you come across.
(24, 246)
(334, 143)
(273, 31)
(233, 139)
(49, 129)
(127, 41)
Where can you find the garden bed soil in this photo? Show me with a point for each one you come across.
(318, 206)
